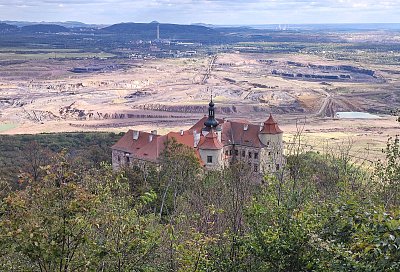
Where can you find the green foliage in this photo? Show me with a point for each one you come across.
(320, 213)
(70, 220)
(17, 151)
(48, 222)
(179, 168)
(388, 173)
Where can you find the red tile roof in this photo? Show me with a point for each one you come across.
(237, 132)
(152, 150)
(271, 127)
(210, 141)
(128, 144)
(241, 134)
(186, 138)
(143, 149)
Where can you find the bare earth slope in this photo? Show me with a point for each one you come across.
(170, 94)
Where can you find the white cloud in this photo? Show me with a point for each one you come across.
(208, 11)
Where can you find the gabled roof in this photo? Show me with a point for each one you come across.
(152, 150)
(185, 138)
(240, 133)
(210, 141)
(149, 147)
(271, 126)
(128, 144)
(144, 149)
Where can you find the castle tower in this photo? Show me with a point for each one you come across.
(271, 136)
(211, 150)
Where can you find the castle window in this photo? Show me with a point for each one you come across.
(268, 143)
(230, 152)
(209, 159)
(250, 155)
(226, 152)
(255, 155)
(269, 153)
(119, 158)
(255, 168)
(243, 153)
(277, 166)
(128, 159)
(236, 152)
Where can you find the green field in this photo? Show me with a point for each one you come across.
(5, 127)
(53, 54)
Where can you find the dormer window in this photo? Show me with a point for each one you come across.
(209, 159)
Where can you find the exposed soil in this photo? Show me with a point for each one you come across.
(50, 96)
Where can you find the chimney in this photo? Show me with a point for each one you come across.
(261, 126)
(151, 138)
(135, 135)
(182, 132)
(196, 137)
(154, 132)
(246, 127)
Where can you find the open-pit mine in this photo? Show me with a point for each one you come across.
(304, 92)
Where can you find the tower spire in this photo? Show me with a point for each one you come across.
(211, 122)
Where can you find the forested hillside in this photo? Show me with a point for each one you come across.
(321, 213)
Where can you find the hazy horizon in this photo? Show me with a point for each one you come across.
(217, 12)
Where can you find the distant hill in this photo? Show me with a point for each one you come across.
(167, 31)
(6, 28)
(68, 24)
(44, 28)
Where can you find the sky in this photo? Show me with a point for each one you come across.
(219, 12)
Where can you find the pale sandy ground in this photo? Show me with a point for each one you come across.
(157, 94)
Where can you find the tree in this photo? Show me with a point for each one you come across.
(388, 173)
(35, 157)
(125, 239)
(179, 166)
(49, 221)
(73, 220)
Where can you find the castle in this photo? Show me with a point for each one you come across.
(216, 142)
